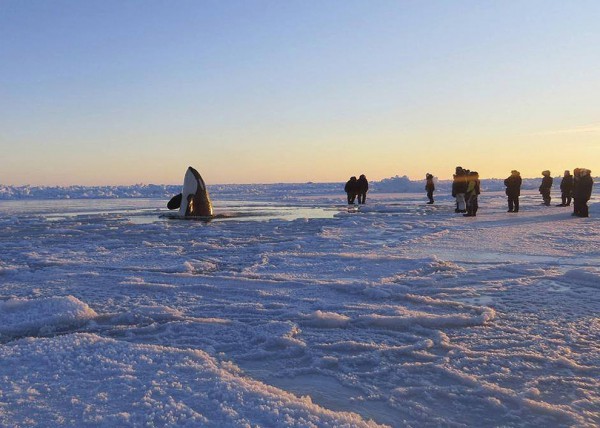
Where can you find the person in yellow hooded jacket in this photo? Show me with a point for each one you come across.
(473, 191)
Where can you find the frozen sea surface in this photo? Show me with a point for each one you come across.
(299, 313)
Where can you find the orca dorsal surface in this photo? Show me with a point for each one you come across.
(195, 201)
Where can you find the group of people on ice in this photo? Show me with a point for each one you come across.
(576, 188)
(357, 188)
(466, 188)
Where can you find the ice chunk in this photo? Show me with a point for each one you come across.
(31, 317)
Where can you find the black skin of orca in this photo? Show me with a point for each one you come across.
(175, 202)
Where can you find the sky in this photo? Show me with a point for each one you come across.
(126, 92)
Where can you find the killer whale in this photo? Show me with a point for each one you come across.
(193, 201)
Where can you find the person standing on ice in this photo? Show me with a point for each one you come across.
(473, 191)
(454, 191)
(576, 179)
(429, 187)
(362, 188)
(459, 188)
(583, 193)
(513, 190)
(351, 189)
(545, 187)
(566, 189)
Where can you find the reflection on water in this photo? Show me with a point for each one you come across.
(145, 211)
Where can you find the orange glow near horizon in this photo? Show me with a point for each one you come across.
(529, 155)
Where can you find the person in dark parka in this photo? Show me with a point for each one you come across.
(545, 187)
(566, 189)
(583, 193)
(351, 189)
(429, 187)
(513, 190)
(362, 188)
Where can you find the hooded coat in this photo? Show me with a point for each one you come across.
(546, 184)
(429, 185)
(583, 190)
(513, 185)
(362, 184)
(566, 184)
(351, 186)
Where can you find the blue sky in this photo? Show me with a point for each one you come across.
(106, 92)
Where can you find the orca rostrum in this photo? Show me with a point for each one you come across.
(193, 201)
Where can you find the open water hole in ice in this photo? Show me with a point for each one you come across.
(147, 211)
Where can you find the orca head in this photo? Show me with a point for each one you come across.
(197, 202)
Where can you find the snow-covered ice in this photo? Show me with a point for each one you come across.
(290, 310)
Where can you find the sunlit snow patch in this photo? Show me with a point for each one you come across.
(588, 277)
(321, 319)
(30, 317)
(115, 383)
